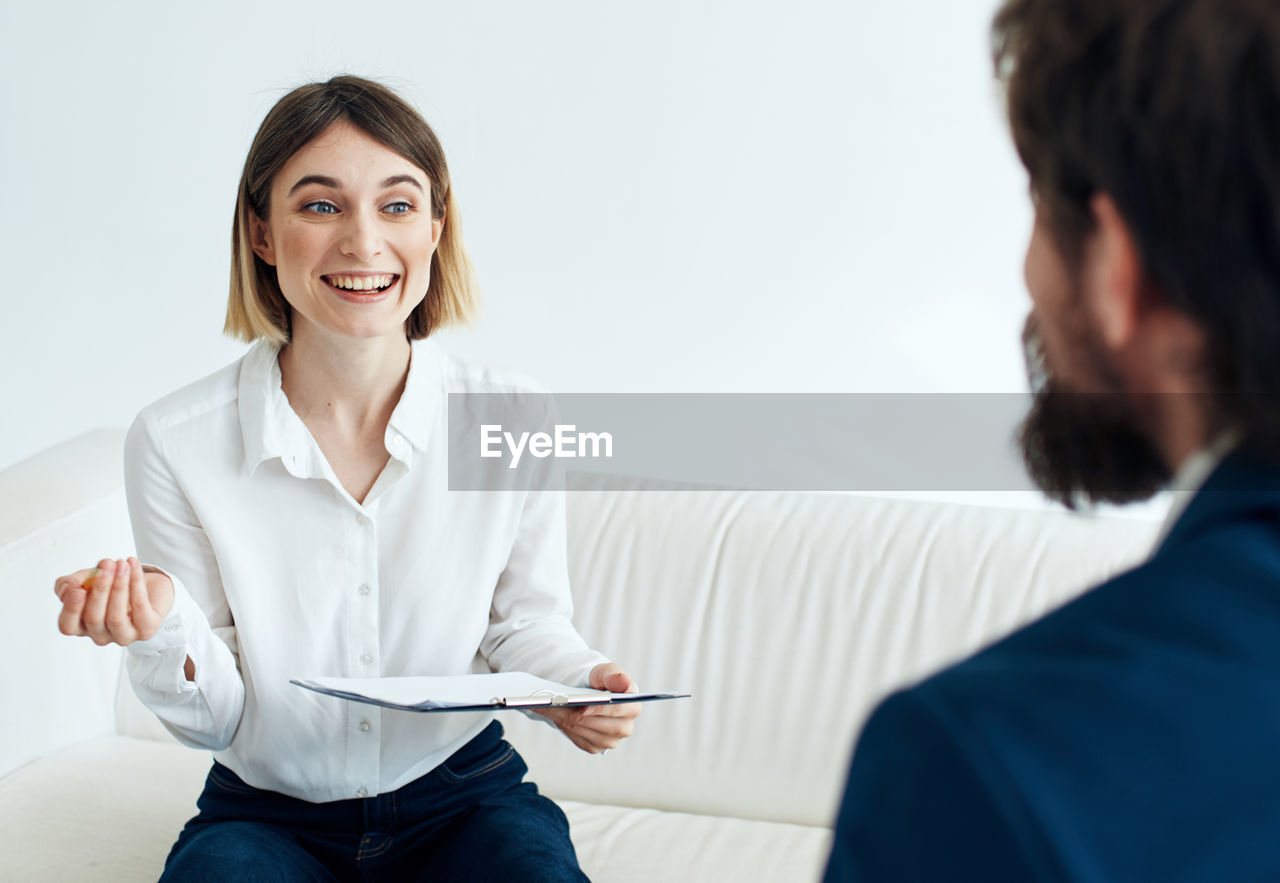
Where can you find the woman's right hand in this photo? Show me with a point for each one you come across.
(120, 605)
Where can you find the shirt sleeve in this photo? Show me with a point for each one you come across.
(530, 621)
(169, 537)
(916, 809)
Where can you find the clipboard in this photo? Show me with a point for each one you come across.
(482, 692)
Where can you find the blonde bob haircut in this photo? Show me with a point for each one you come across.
(256, 308)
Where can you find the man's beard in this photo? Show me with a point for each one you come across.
(1084, 448)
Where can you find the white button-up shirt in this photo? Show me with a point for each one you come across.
(279, 573)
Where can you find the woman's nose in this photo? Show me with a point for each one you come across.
(360, 236)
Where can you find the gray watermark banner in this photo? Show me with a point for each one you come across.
(807, 442)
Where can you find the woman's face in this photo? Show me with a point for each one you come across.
(350, 234)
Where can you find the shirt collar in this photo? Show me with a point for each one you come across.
(271, 429)
(259, 411)
(1191, 476)
(418, 410)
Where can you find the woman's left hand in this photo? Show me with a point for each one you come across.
(597, 728)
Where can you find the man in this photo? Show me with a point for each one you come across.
(1133, 734)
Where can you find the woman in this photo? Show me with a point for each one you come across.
(296, 508)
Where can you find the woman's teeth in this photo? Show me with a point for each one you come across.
(360, 283)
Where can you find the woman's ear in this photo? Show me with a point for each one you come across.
(260, 239)
(437, 228)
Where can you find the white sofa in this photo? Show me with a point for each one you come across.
(787, 615)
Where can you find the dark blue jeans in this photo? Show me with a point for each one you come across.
(471, 818)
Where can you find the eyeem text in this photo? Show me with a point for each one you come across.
(566, 442)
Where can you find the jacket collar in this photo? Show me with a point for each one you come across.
(271, 429)
(1242, 485)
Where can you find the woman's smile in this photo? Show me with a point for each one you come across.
(362, 288)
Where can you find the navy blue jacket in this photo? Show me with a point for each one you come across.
(1131, 735)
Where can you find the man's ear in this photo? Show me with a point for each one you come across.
(260, 239)
(1115, 272)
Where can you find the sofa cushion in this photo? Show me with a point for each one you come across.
(627, 845)
(120, 803)
(788, 615)
(103, 809)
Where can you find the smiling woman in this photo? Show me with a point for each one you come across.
(295, 515)
(327, 124)
(349, 243)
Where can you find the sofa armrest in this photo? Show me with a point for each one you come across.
(63, 510)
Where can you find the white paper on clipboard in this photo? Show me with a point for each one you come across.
(483, 692)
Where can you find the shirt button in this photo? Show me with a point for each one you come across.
(362, 791)
(397, 441)
(172, 628)
(366, 658)
(365, 726)
(363, 520)
(364, 589)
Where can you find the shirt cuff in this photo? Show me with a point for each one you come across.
(176, 626)
(577, 671)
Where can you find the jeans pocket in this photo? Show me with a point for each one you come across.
(461, 768)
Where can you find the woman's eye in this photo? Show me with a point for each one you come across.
(321, 208)
(400, 208)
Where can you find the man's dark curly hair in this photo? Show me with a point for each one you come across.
(1171, 107)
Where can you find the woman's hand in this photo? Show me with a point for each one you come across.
(597, 728)
(115, 603)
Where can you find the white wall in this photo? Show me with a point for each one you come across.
(660, 196)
